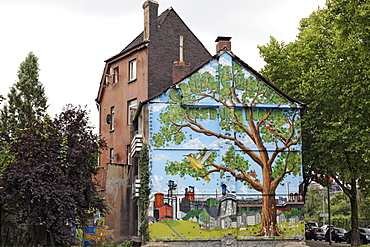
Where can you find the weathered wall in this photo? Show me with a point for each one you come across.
(228, 241)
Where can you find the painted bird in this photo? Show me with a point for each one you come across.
(197, 162)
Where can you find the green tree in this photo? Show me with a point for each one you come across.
(238, 94)
(204, 218)
(315, 204)
(192, 213)
(26, 103)
(327, 67)
(364, 207)
(78, 155)
(339, 204)
(293, 212)
(49, 188)
(144, 192)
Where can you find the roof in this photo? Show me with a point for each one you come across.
(169, 24)
(135, 43)
(242, 63)
(268, 83)
(253, 214)
(212, 211)
(139, 40)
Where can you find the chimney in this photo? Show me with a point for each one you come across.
(180, 69)
(150, 18)
(223, 43)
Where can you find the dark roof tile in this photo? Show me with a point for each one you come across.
(139, 39)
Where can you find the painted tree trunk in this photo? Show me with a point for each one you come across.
(269, 223)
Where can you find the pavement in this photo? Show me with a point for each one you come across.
(313, 243)
(310, 243)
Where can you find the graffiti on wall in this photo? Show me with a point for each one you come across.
(226, 157)
(96, 234)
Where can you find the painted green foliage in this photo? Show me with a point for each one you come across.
(243, 108)
(236, 94)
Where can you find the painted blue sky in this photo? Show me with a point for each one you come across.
(195, 142)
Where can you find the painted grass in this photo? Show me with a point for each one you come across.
(188, 230)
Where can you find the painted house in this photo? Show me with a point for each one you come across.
(241, 218)
(229, 134)
(281, 217)
(224, 222)
(149, 64)
(207, 219)
(253, 218)
(293, 219)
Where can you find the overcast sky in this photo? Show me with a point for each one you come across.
(72, 38)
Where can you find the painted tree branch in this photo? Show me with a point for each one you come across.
(276, 182)
(242, 177)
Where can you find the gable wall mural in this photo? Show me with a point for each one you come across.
(225, 152)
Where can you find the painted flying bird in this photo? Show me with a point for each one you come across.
(197, 162)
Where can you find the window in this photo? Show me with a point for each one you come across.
(115, 75)
(112, 118)
(111, 155)
(131, 111)
(140, 126)
(128, 152)
(132, 70)
(106, 80)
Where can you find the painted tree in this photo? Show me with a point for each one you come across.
(327, 68)
(244, 107)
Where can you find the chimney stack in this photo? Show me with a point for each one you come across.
(223, 43)
(180, 69)
(150, 18)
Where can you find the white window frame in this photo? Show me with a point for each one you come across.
(115, 75)
(131, 110)
(111, 155)
(112, 118)
(132, 70)
(128, 152)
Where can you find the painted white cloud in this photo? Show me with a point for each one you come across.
(247, 140)
(211, 68)
(157, 181)
(246, 73)
(160, 157)
(219, 143)
(243, 98)
(244, 190)
(195, 143)
(156, 107)
(231, 187)
(224, 143)
(224, 61)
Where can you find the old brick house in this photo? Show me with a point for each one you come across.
(144, 68)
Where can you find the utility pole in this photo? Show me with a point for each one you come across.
(323, 206)
(328, 185)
